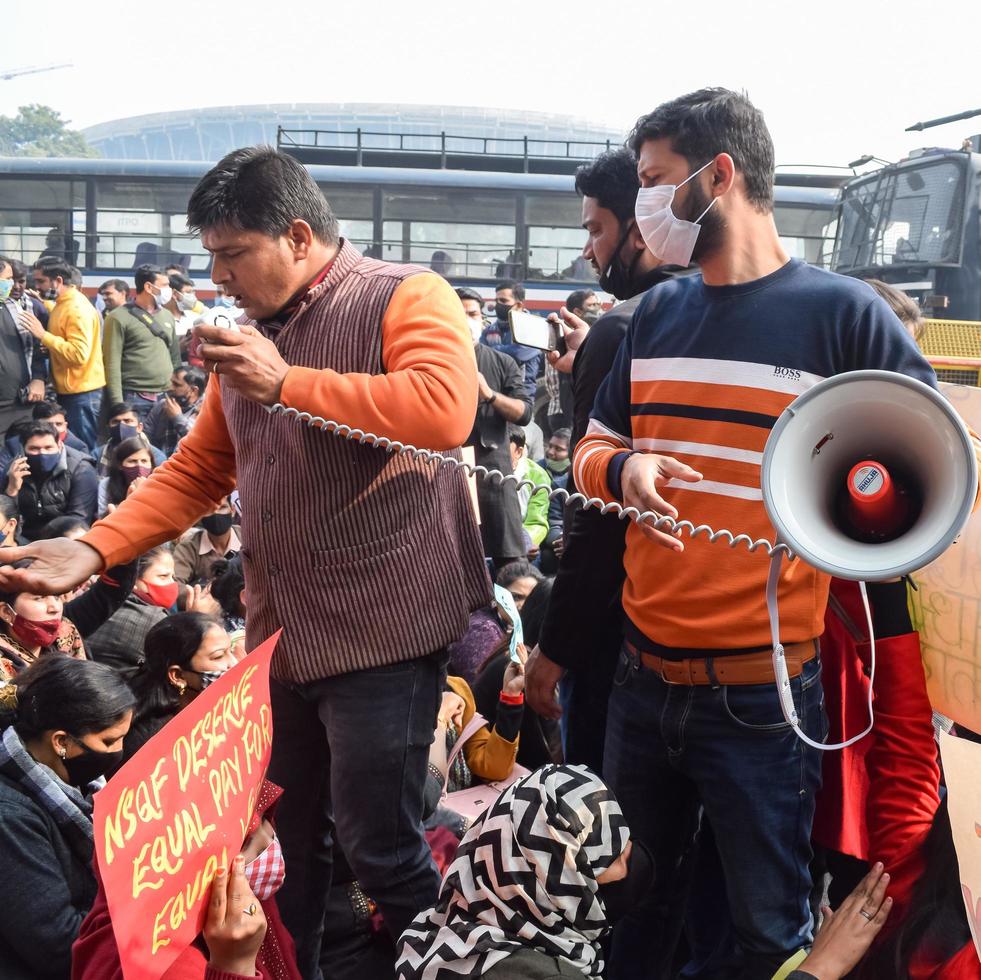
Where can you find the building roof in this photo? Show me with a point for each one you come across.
(209, 133)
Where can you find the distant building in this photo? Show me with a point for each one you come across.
(208, 134)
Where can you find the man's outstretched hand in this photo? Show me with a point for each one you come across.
(56, 567)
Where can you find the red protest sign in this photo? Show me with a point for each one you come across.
(178, 811)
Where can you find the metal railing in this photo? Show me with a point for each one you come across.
(443, 144)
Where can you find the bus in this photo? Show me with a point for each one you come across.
(915, 225)
(107, 217)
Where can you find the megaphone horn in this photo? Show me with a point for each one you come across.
(869, 475)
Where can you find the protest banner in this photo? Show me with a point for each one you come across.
(962, 762)
(946, 608)
(178, 811)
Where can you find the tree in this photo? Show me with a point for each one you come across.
(39, 131)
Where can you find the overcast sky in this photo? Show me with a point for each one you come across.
(836, 79)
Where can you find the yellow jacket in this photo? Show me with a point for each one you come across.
(489, 756)
(72, 338)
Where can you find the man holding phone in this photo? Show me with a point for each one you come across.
(177, 410)
(510, 296)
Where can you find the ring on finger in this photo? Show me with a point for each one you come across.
(868, 915)
(214, 367)
(251, 910)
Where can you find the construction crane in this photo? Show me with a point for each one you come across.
(31, 70)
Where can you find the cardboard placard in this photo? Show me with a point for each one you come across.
(178, 811)
(946, 609)
(962, 762)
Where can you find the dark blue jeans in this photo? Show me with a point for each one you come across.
(82, 412)
(141, 406)
(672, 747)
(351, 753)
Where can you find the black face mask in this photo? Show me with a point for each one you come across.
(617, 278)
(501, 311)
(218, 524)
(118, 431)
(90, 765)
(619, 897)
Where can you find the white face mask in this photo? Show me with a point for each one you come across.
(669, 238)
(188, 301)
(476, 328)
(166, 293)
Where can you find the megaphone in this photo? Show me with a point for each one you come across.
(869, 475)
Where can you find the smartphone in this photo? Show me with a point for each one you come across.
(532, 331)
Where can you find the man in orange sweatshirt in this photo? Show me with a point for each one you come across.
(370, 561)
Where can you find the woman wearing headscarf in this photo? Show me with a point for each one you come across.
(537, 881)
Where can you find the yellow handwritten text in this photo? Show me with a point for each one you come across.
(165, 853)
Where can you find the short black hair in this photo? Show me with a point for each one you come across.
(19, 268)
(30, 429)
(612, 180)
(257, 188)
(46, 410)
(120, 285)
(465, 292)
(179, 282)
(146, 274)
(8, 508)
(76, 276)
(77, 696)
(522, 568)
(5, 261)
(517, 290)
(517, 435)
(55, 268)
(59, 526)
(575, 299)
(711, 121)
(193, 376)
(120, 408)
(563, 433)
(177, 267)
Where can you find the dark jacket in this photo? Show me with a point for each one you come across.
(119, 641)
(576, 632)
(500, 511)
(165, 431)
(530, 360)
(70, 490)
(47, 890)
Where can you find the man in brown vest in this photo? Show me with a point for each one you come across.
(371, 562)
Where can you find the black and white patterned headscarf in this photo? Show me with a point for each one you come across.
(524, 876)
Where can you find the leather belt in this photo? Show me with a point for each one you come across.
(743, 668)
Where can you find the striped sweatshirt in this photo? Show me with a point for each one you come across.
(703, 375)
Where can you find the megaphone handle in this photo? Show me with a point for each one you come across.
(780, 672)
(781, 675)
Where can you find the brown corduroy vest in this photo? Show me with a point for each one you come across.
(364, 558)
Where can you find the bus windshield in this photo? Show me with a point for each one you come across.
(902, 215)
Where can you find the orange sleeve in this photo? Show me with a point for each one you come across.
(591, 462)
(428, 395)
(178, 493)
(489, 756)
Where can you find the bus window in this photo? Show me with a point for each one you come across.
(806, 233)
(140, 222)
(353, 207)
(46, 225)
(556, 238)
(456, 233)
